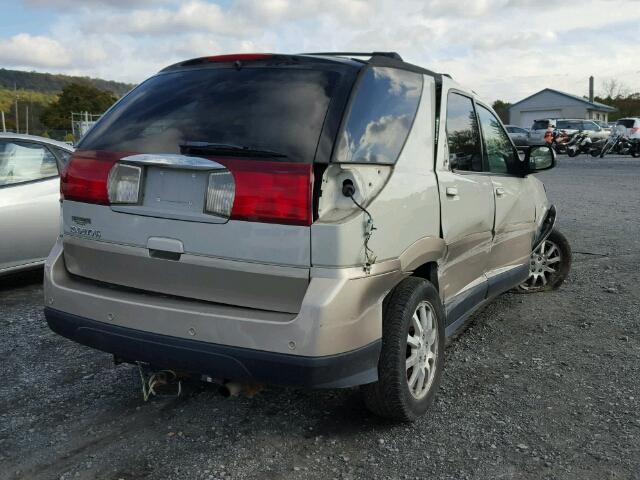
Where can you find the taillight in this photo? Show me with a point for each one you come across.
(248, 189)
(635, 130)
(85, 177)
(272, 192)
(123, 183)
(220, 193)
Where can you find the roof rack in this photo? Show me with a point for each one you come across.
(393, 55)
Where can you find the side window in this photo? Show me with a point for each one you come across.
(22, 162)
(380, 116)
(63, 157)
(463, 135)
(501, 155)
(590, 126)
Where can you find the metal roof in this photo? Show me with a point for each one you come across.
(593, 105)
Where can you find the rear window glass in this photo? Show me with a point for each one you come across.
(627, 123)
(380, 116)
(540, 125)
(275, 109)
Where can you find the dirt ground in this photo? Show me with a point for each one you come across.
(541, 386)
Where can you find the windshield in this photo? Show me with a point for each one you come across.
(268, 109)
(569, 125)
(627, 123)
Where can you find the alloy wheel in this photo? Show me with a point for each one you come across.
(544, 264)
(422, 350)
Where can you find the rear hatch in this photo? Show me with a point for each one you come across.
(199, 183)
(629, 126)
(538, 129)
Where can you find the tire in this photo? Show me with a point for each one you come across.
(572, 152)
(540, 278)
(595, 152)
(391, 396)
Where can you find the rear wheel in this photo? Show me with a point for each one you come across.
(572, 152)
(549, 264)
(412, 353)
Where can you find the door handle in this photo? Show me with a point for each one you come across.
(500, 191)
(452, 191)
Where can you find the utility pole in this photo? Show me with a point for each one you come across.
(4, 126)
(17, 117)
(15, 91)
(26, 119)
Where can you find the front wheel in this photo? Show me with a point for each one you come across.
(549, 264)
(412, 354)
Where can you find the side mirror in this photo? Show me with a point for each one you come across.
(540, 158)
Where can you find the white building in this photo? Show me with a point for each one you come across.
(550, 103)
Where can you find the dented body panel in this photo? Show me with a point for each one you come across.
(293, 294)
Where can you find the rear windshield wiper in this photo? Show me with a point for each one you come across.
(227, 149)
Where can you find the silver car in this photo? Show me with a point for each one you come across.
(519, 135)
(310, 220)
(29, 199)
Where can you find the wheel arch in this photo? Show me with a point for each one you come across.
(421, 260)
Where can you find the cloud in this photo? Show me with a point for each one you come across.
(503, 49)
(64, 4)
(190, 17)
(24, 50)
(381, 141)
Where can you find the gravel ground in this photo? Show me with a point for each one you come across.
(541, 386)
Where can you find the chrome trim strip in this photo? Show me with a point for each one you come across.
(171, 160)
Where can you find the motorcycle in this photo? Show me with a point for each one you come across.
(583, 143)
(617, 143)
(558, 140)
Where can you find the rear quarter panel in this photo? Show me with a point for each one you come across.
(405, 211)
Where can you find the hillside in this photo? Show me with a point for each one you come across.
(53, 83)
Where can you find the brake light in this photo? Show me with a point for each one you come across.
(635, 130)
(238, 57)
(85, 177)
(250, 189)
(272, 192)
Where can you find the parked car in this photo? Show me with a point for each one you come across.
(29, 199)
(571, 126)
(631, 126)
(539, 129)
(519, 135)
(604, 125)
(291, 219)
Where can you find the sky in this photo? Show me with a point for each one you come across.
(502, 49)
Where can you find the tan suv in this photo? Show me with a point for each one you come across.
(319, 220)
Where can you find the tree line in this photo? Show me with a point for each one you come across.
(54, 83)
(49, 115)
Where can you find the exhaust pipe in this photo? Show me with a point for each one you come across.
(231, 389)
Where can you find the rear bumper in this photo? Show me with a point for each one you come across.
(341, 312)
(220, 361)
